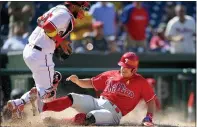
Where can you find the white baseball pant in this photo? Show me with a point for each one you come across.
(42, 67)
(102, 109)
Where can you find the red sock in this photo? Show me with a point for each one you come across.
(58, 104)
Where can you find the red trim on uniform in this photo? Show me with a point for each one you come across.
(93, 84)
(58, 104)
(49, 26)
(117, 110)
(151, 98)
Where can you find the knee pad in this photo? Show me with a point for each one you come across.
(57, 77)
(90, 119)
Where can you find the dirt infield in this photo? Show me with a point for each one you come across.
(133, 119)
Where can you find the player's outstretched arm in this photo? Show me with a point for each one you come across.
(147, 121)
(151, 106)
(83, 83)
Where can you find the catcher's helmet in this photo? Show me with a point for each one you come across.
(129, 60)
(85, 5)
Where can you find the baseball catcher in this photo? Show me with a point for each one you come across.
(121, 91)
(49, 37)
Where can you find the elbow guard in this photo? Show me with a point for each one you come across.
(50, 29)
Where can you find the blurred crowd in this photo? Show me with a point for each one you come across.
(109, 27)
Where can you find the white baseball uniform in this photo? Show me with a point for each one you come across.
(187, 30)
(40, 60)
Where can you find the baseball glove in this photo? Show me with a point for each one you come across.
(63, 51)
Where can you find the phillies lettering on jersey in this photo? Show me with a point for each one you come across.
(125, 93)
(118, 87)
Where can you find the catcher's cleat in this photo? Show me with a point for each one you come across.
(13, 111)
(56, 79)
(32, 98)
(6, 114)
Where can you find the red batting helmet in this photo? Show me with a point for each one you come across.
(85, 5)
(129, 60)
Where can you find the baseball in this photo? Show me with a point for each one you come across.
(89, 46)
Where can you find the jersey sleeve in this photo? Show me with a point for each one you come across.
(60, 20)
(170, 30)
(98, 82)
(193, 24)
(147, 91)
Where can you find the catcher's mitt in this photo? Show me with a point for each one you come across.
(63, 51)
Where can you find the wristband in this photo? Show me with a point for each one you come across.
(149, 115)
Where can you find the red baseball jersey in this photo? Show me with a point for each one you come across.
(124, 93)
(137, 23)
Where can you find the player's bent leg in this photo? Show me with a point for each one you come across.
(83, 103)
(109, 118)
(16, 107)
(13, 109)
(49, 94)
(58, 104)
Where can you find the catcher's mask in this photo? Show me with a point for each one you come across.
(84, 6)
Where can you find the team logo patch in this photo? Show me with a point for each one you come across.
(131, 63)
